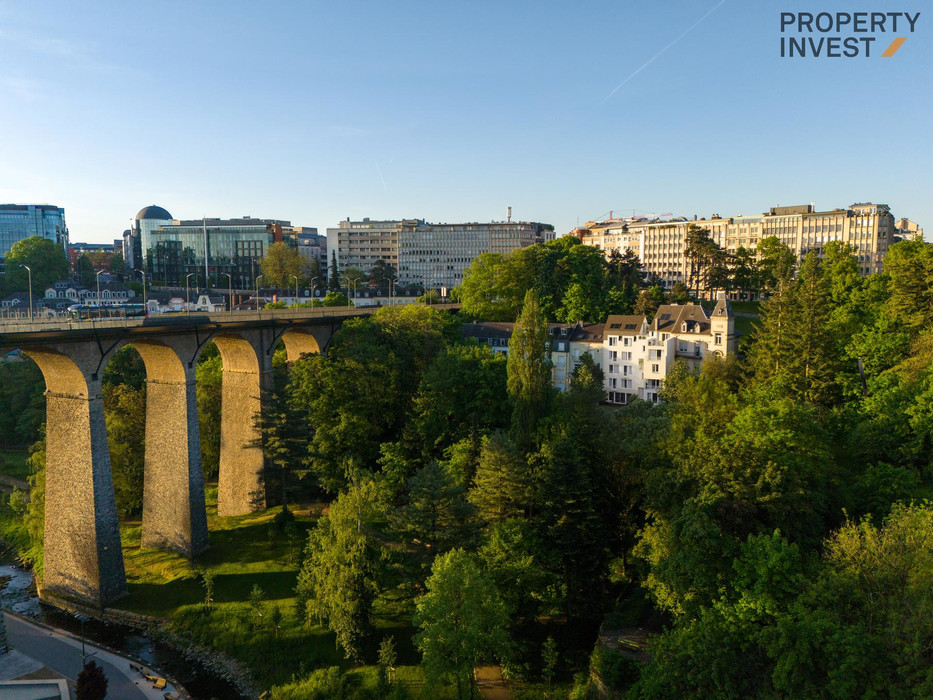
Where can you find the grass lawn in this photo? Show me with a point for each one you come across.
(242, 554)
(13, 463)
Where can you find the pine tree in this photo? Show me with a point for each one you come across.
(529, 372)
(334, 282)
(811, 341)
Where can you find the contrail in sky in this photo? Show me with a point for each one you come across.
(658, 54)
(380, 172)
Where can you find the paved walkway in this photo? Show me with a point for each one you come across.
(490, 683)
(61, 652)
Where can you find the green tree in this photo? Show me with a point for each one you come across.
(910, 265)
(209, 377)
(85, 270)
(126, 429)
(463, 391)
(864, 628)
(91, 683)
(460, 619)
(529, 372)
(22, 402)
(280, 262)
(744, 272)
(649, 300)
(340, 577)
(117, 264)
(335, 299)
(491, 290)
(705, 260)
(502, 488)
(550, 660)
(436, 513)
(813, 347)
(381, 273)
(333, 281)
(46, 259)
(776, 263)
(386, 663)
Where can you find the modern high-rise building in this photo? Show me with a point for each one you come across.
(433, 255)
(659, 244)
(20, 221)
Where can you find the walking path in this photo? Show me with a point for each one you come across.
(490, 683)
(61, 652)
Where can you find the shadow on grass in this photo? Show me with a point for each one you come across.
(161, 598)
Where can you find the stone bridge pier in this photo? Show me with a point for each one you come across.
(174, 516)
(83, 558)
(247, 375)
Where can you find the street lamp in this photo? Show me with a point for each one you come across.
(99, 315)
(313, 287)
(392, 281)
(82, 619)
(229, 290)
(145, 303)
(258, 277)
(295, 277)
(349, 282)
(29, 271)
(188, 292)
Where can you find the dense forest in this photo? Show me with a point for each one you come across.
(768, 522)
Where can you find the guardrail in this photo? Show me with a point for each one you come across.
(196, 317)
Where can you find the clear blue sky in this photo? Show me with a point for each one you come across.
(450, 111)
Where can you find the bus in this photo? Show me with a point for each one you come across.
(84, 312)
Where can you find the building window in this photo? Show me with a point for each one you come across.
(719, 339)
(613, 341)
(654, 368)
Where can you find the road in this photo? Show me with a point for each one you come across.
(62, 653)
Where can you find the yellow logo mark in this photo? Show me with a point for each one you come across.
(892, 49)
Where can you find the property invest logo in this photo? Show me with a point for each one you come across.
(845, 34)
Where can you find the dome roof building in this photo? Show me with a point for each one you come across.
(154, 212)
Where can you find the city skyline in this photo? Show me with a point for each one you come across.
(314, 114)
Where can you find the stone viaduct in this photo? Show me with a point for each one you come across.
(83, 556)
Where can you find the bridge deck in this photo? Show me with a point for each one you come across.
(13, 332)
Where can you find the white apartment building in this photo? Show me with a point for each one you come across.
(868, 228)
(637, 356)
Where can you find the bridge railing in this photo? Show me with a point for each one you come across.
(65, 323)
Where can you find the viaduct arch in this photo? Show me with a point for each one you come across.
(83, 560)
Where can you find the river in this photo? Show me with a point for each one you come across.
(201, 683)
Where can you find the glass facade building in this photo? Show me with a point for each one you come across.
(20, 221)
(229, 246)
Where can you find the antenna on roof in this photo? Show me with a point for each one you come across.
(508, 214)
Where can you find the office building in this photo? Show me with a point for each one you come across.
(21, 221)
(209, 249)
(359, 244)
(436, 255)
(422, 253)
(659, 244)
